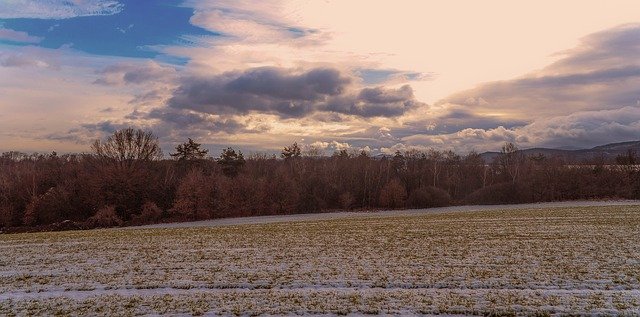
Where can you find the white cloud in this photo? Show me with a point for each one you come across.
(580, 129)
(320, 145)
(29, 56)
(57, 9)
(340, 145)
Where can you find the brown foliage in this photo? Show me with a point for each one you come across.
(6, 215)
(105, 217)
(503, 193)
(43, 191)
(393, 194)
(150, 213)
(426, 197)
(47, 208)
(347, 200)
(195, 197)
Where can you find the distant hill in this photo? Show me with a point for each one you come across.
(608, 151)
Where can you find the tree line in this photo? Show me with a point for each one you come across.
(126, 181)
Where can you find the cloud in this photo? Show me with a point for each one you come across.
(451, 119)
(380, 95)
(190, 121)
(30, 56)
(580, 129)
(20, 60)
(63, 57)
(603, 72)
(250, 22)
(170, 125)
(57, 9)
(281, 84)
(375, 102)
(135, 73)
(17, 36)
(288, 93)
(611, 48)
(274, 33)
(586, 98)
(124, 30)
(151, 97)
(87, 132)
(271, 77)
(585, 128)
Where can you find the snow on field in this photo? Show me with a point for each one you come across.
(547, 260)
(340, 215)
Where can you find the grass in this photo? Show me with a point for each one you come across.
(504, 262)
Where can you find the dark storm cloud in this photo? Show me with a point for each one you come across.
(189, 121)
(380, 95)
(288, 94)
(373, 102)
(104, 126)
(275, 83)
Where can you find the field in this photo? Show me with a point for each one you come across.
(537, 261)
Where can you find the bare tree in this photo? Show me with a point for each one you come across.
(436, 158)
(129, 145)
(511, 160)
(312, 151)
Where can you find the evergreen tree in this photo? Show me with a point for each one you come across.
(189, 150)
(231, 162)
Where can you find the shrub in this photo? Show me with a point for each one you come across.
(104, 218)
(503, 193)
(6, 214)
(150, 213)
(425, 197)
(50, 207)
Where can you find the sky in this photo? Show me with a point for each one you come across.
(367, 75)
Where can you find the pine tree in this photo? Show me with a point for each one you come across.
(189, 150)
(231, 162)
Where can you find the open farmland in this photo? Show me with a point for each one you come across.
(546, 261)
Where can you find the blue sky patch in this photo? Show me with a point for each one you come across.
(373, 76)
(140, 25)
(376, 76)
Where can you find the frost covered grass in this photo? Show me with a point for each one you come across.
(549, 261)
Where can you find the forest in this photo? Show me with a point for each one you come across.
(126, 180)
